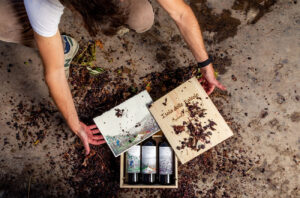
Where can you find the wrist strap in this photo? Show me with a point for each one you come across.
(204, 63)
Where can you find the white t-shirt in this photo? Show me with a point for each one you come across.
(44, 15)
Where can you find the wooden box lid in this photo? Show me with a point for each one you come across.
(188, 110)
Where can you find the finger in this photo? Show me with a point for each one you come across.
(203, 83)
(211, 89)
(92, 126)
(86, 147)
(95, 131)
(220, 86)
(206, 87)
(97, 142)
(97, 137)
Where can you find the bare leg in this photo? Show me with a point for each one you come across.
(141, 15)
(14, 23)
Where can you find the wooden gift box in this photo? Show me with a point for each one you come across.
(123, 174)
(173, 110)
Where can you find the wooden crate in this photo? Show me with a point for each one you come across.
(157, 137)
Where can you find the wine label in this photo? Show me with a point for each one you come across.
(165, 161)
(134, 159)
(149, 159)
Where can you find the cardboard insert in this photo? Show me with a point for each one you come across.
(123, 173)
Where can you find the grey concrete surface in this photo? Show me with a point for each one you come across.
(262, 79)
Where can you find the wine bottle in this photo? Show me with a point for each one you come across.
(134, 164)
(166, 163)
(149, 161)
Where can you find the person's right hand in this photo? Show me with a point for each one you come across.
(209, 81)
(88, 135)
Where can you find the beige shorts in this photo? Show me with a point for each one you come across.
(15, 26)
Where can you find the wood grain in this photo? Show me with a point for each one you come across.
(170, 110)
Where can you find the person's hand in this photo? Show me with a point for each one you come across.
(209, 81)
(89, 135)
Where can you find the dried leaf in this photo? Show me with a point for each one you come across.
(148, 87)
(99, 44)
(36, 142)
(95, 71)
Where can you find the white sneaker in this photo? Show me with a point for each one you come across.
(70, 49)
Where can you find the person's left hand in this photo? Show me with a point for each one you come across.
(209, 81)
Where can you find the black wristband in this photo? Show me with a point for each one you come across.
(204, 63)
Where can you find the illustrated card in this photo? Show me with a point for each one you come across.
(128, 123)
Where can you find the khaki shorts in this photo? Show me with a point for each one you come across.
(15, 26)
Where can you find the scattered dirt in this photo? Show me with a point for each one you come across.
(223, 25)
(178, 129)
(137, 125)
(233, 77)
(94, 95)
(165, 102)
(196, 130)
(274, 123)
(167, 80)
(280, 98)
(221, 61)
(98, 176)
(258, 8)
(264, 114)
(32, 120)
(176, 38)
(119, 112)
(295, 117)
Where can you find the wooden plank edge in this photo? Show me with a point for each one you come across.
(149, 186)
(121, 171)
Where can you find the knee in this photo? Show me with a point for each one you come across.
(141, 16)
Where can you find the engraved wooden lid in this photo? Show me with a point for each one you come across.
(189, 120)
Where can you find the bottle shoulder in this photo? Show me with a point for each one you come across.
(149, 142)
(164, 144)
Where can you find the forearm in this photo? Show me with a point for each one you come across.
(52, 54)
(190, 30)
(60, 92)
(51, 51)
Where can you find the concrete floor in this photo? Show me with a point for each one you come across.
(262, 80)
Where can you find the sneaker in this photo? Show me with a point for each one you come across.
(70, 49)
